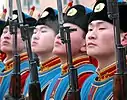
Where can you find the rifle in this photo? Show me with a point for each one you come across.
(34, 86)
(36, 59)
(15, 84)
(73, 92)
(120, 77)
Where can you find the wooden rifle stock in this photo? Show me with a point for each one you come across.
(34, 86)
(120, 77)
(73, 93)
(120, 87)
(15, 84)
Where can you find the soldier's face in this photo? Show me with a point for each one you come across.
(77, 42)
(42, 39)
(124, 39)
(7, 41)
(100, 39)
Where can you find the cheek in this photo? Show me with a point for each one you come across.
(76, 47)
(76, 43)
(50, 39)
(47, 40)
(108, 42)
(42, 40)
(1, 37)
(20, 43)
(86, 38)
(32, 38)
(46, 43)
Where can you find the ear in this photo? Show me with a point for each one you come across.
(83, 48)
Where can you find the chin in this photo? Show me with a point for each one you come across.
(5, 49)
(54, 51)
(58, 52)
(91, 53)
(33, 50)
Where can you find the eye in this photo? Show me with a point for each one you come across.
(43, 31)
(102, 28)
(5, 31)
(73, 30)
(90, 29)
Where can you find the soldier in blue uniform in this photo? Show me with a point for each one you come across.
(100, 44)
(2, 55)
(42, 44)
(76, 18)
(7, 47)
(2, 22)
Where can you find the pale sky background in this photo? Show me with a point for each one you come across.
(1, 5)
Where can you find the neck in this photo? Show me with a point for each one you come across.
(43, 57)
(105, 61)
(8, 56)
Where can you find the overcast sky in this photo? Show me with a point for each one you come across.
(1, 5)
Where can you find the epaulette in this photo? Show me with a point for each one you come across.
(49, 64)
(10, 63)
(2, 56)
(76, 62)
(107, 72)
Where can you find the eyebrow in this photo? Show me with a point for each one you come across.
(6, 28)
(98, 23)
(43, 27)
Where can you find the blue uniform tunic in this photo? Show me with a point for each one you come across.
(99, 86)
(59, 87)
(48, 70)
(5, 76)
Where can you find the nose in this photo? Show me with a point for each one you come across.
(58, 36)
(91, 35)
(7, 35)
(35, 37)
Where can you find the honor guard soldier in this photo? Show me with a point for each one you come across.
(75, 18)
(7, 47)
(2, 22)
(2, 55)
(100, 44)
(42, 44)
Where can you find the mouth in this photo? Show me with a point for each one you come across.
(57, 43)
(34, 43)
(5, 43)
(91, 44)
